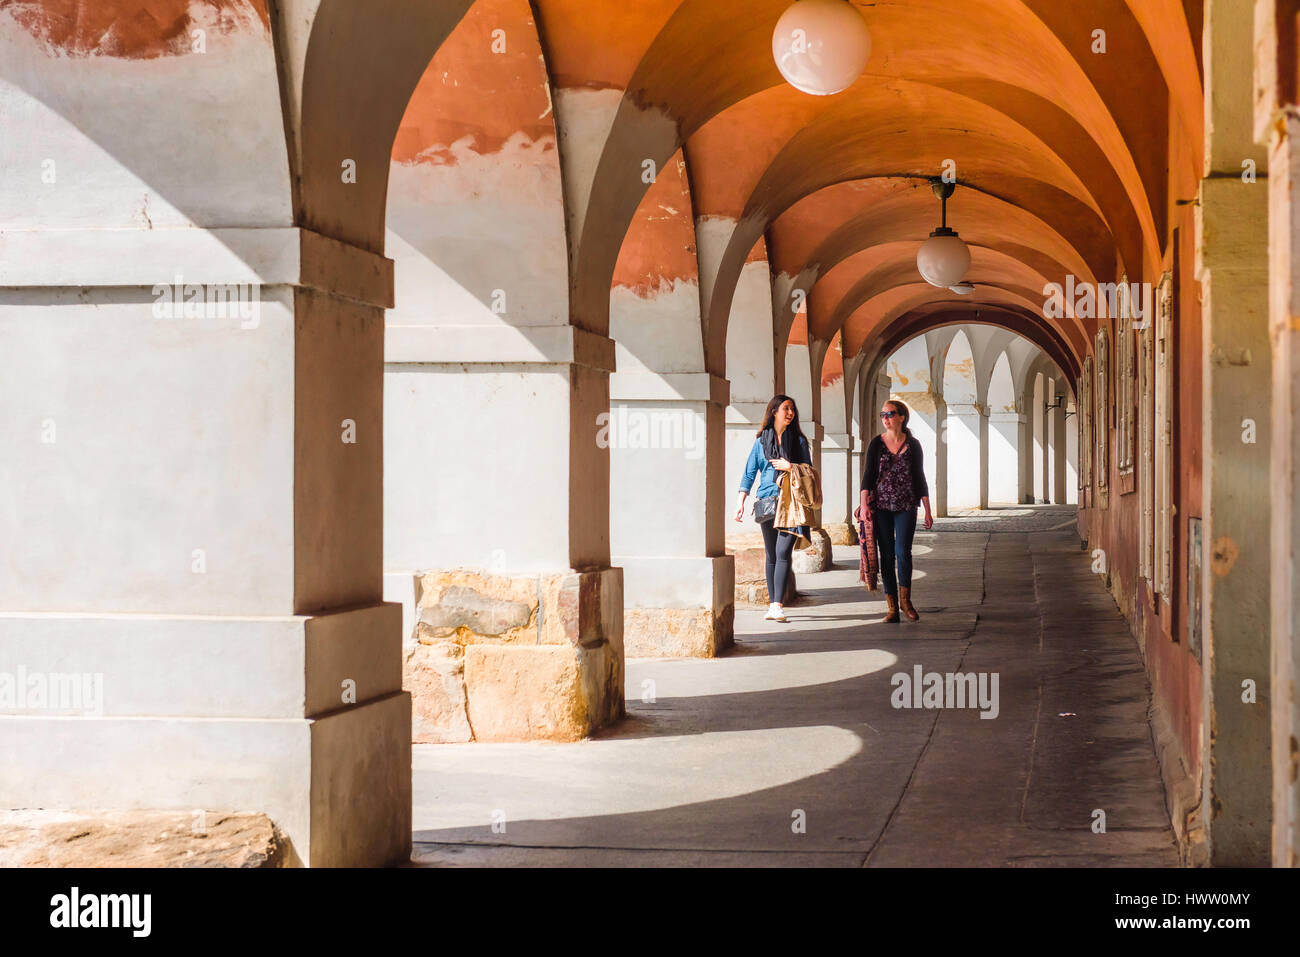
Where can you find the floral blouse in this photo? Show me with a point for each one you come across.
(894, 490)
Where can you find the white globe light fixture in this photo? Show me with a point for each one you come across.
(943, 258)
(821, 46)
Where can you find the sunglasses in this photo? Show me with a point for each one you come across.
(889, 415)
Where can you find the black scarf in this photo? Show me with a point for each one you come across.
(789, 447)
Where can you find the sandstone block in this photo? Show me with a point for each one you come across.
(461, 607)
(751, 579)
(434, 674)
(815, 559)
(842, 533)
(472, 606)
(678, 632)
(526, 693)
(139, 838)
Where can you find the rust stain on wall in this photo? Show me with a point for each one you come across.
(129, 29)
(1223, 556)
(964, 368)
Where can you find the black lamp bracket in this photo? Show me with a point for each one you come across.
(943, 189)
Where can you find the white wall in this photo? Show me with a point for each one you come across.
(962, 428)
(476, 467)
(1004, 454)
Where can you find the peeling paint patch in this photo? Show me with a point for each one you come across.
(1230, 357)
(469, 146)
(132, 29)
(486, 86)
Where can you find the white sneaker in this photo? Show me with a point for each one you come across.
(775, 612)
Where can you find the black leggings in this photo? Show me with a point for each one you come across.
(779, 546)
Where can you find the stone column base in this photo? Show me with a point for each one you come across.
(751, 579)
(818, 558)
(298, 718)
(842, 533)
(515, 658)
(338, 787)
(678, 607)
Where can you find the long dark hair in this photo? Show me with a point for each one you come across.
(907, 414)
(788, 447)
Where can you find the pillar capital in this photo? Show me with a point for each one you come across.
(498, 345)
(669, 387)
(286, 256)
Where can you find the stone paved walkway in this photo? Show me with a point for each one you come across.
(788, 751)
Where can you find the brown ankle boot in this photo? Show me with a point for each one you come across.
(892, 603)
(905, 602)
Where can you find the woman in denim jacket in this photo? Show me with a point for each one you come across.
(779, 445)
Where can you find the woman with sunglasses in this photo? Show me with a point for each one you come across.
(893, 484)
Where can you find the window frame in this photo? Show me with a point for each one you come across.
(1124, 378)
(1163, 428)
(1085, 426)
(1101, 416)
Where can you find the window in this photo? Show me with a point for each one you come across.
(1085, 428)
(1101, 419)
(1163, 438)
(1124, 375)
(1146, 449)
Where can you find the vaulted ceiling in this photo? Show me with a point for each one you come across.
(1057, 119)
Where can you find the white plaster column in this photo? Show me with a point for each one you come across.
(1004, 431)
(966, 444)
(752, 374)
(1071, 455)
(799, 386)
(985, 464)
(1025, 432)
(839, 490)
(1042, 471)
(940, 485)
(857, 429)
(496, 519)
(496, 453)
(669, 488)
(1237, 510)
(198, 538)
(1057, 448)
(1284, 305)
(668, 502)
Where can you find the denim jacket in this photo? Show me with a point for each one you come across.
(758, 466)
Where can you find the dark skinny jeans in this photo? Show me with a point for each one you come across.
(779, 546)
(894, 532)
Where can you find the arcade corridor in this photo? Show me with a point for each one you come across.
(714, 769)
(377, 378)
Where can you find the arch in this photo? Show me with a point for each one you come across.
(963, 426)
(337, 119)
(925, 318)
(959, 379)
(1003, 434)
